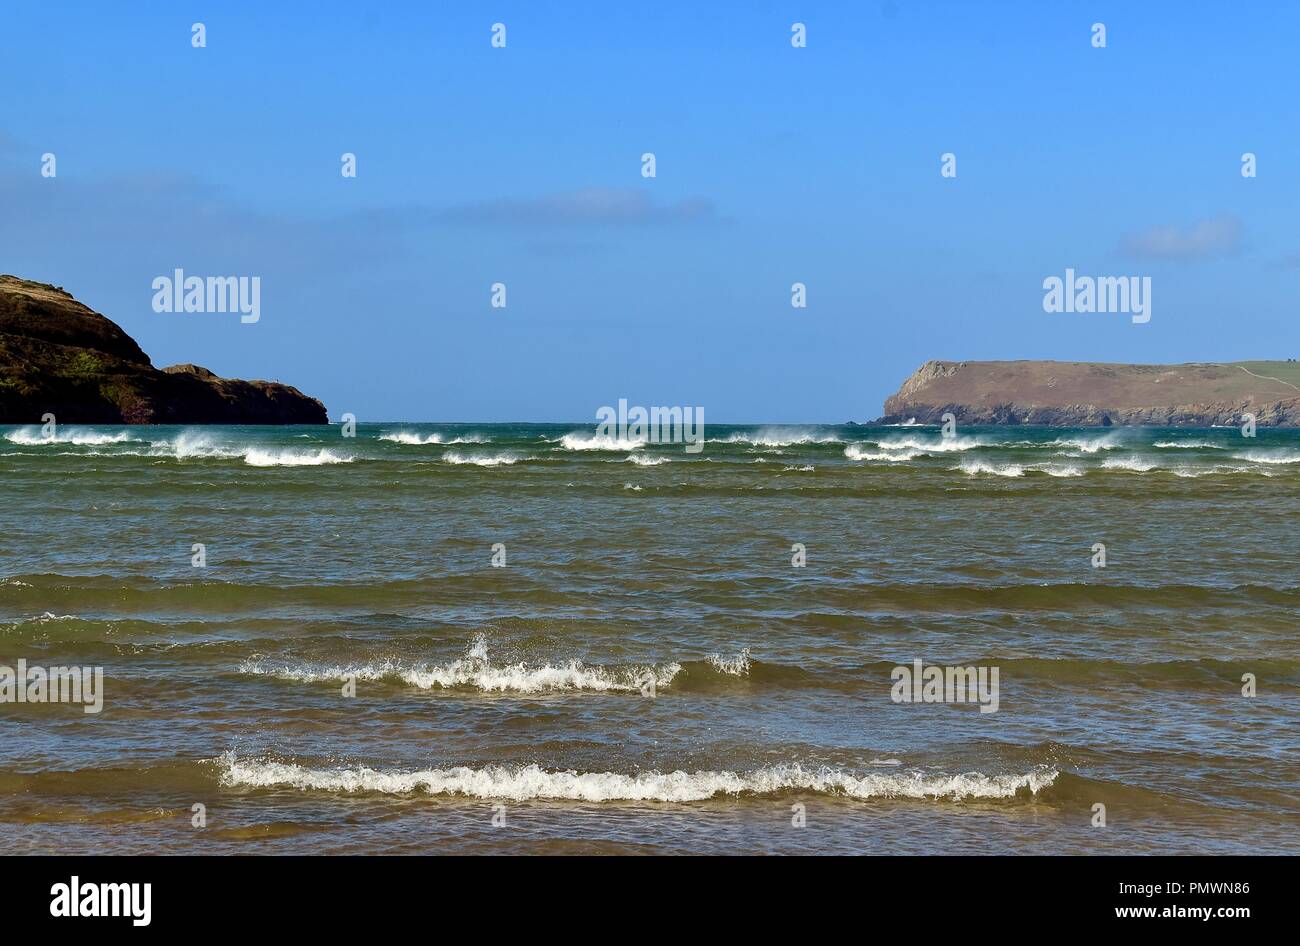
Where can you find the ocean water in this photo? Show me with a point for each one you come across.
(649, 672)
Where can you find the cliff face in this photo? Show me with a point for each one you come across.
(57, 356)
(1082, 394)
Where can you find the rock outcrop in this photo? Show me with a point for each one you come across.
(1087, 394)
(59, 357)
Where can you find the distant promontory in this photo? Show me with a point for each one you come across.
(1094, 394)
(59, 357)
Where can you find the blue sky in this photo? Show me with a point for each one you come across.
(521, 165)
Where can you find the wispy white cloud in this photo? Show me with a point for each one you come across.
(1217, 236)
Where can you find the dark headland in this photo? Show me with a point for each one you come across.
(1092, 394)
(59, 357)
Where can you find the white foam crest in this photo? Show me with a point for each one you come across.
(942, 445)
(190, 443)
(807, 468)
(529, 782)
(642, 459)
(476, 671)
(410, 438)
(858, 451)
(519, 678)
(1059, 470)
(480, 459)
(1186, 445)
(77, 436)
(581, 441)
(1131, 464)
(737, 666)
(1193, 472)
(1266, 456)
(258, 456)
(778, 437)
(1088, 445)
(49, 616)
(977, 467)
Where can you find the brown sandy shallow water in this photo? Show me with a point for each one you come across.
(503, 709)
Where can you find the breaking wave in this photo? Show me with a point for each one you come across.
(476, 671)
(258, 457)
(192, 444)
(196, 445)
(976, 467)
(480, 459)
(1267, 456)
(737, 666)
(580, 441)
(415, 440)
(778, 438)
(857, 451)
(1131, 464)
(942, 445)
(1088, 444)
(529, 782)
(79, 437)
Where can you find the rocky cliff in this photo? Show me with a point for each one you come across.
(57, 356)
(1083, 394)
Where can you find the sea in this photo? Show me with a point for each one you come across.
(535, 638)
